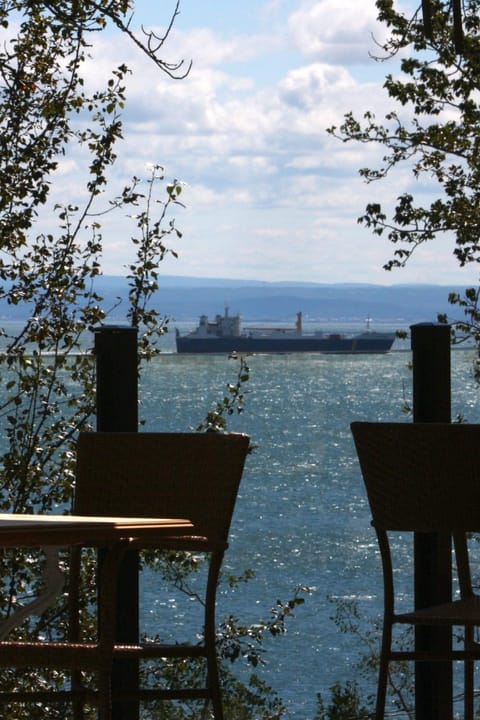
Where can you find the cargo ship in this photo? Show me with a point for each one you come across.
(225, 335)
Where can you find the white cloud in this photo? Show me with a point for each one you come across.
(306, 87)
(336, 31)
(269, 194)
(208, 49)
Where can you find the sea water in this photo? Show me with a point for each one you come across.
(301, 516)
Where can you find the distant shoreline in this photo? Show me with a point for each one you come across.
(184, 299)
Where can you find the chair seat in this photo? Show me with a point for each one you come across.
(457, 612)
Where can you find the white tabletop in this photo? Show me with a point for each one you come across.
(28, 529)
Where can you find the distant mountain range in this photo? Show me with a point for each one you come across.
(185, 298)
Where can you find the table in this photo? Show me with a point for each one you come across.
(115, 535)
(54, 531)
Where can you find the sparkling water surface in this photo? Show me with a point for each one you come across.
(301, 516)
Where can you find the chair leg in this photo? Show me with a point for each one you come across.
(104, 696)
(77, 709)
(77, 702)
(213, 680)
(214, 685)
(468, 676)
(383, 671)
(110, 564)
(217, 708)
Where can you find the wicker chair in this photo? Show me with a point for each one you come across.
(424, 478)
(189, 475)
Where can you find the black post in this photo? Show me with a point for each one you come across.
(117, 379)
(117, 411)
(432, 403)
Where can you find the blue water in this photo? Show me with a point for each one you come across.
(301, 516)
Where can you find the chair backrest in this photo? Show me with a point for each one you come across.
(421, 476)
(190, 475)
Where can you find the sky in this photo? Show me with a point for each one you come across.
(268, 194)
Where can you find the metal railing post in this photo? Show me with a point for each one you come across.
(117, 411)
(432, 553)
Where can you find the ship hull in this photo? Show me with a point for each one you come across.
(371, 342)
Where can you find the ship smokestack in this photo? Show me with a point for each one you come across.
(298, 324)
